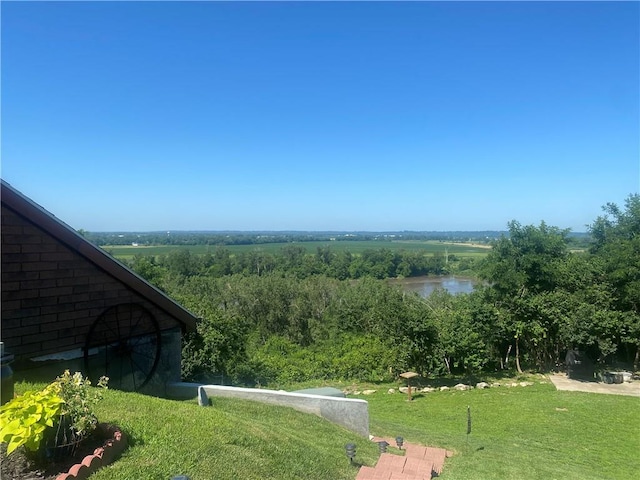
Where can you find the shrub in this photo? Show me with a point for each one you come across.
(60, 413)
(25, 419)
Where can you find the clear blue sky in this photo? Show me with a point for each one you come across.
(321, 116)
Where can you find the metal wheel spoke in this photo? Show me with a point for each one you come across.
(127, 339)
(137, 323)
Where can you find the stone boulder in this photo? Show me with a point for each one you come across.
(482, 385)
(462, 386)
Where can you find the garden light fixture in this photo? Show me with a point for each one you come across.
(351, 451)
(383, 446)
(399, 442)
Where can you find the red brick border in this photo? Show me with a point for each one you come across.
(115, 444)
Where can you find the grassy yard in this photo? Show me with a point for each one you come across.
(517, 433)
(230, 440)
(520, 432)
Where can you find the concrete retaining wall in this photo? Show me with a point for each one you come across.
(350, 413)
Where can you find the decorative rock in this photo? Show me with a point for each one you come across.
(442, 389)
(368, 392)
(526, 384)
(391, 390)
(482, 385)
(496, 384)
(403, 389)
(428, 389)
(357, 392)
(462, 386)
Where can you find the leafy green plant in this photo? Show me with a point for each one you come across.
(59, 413)
(79, 401)
(25, 419)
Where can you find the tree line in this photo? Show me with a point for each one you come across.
(293, 259)
(302, 317)
(260, 238)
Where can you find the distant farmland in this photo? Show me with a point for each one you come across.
(355, 246)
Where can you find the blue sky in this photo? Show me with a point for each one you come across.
(321, 116)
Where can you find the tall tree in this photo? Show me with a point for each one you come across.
(616, 237)
(518, 268)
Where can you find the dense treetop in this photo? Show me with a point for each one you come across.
(290, 316)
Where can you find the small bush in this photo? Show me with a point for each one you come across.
(59, 413)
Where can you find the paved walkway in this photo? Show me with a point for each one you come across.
(418, 463)
(562, 382)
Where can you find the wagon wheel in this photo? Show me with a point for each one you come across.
(123, 344)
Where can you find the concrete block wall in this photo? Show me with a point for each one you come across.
(351, 413)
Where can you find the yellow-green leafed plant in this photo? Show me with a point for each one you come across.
(25, 419)
(59, 414)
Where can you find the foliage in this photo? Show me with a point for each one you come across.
(282, 312)
(394, 259)
(69, 401)
(25, 419)
(617, 244)
(79, 400)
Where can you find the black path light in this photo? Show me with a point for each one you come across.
(399, 442)
(351, 451)
(383, 444)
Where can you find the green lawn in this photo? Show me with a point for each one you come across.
(230, 440)
(355, 247)
(517, 433)
(520, 432)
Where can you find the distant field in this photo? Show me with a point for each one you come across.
(355, 247)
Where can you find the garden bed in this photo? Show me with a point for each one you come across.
(98, 450)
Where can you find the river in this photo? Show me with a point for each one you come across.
(426, 285)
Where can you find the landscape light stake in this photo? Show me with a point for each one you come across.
(383, 446)
(351, 451)
(399, 442)
(468, 422)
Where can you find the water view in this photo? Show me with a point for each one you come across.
(426, 285)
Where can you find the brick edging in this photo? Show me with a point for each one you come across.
(114, 445)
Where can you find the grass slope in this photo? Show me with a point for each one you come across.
(230, 440)
(517, 433)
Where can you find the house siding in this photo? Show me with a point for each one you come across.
(51, 294)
